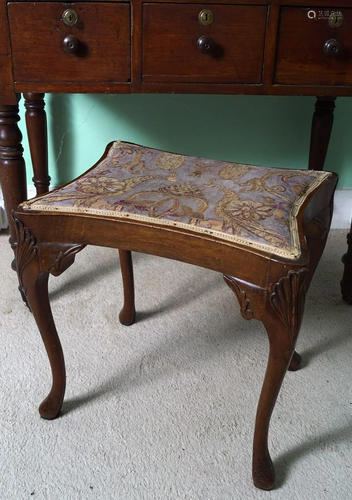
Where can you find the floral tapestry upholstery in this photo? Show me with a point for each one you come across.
(247, 204)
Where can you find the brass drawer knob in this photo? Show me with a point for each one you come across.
(70, 44)
(332, 47)
(205, 44)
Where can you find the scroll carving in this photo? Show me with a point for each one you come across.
(287, 299)
(55, 257)
(241, 295)
(64, 258)
(26, 251)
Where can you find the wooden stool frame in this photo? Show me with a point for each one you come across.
(270, 289)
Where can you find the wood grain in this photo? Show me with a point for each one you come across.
(103, 32)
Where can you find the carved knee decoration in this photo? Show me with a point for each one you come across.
(281, 310)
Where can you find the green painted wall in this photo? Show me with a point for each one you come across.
(251, 129)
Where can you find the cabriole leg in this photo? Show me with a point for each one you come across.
(33, 284)
(281, 311)
(263, 468)
(38, 300)
(282, 320)
(128, 311)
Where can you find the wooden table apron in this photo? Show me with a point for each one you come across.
(267, 47)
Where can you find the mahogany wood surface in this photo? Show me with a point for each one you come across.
(269, 288)
(259, 47)
(266, 47)
(38, 141)
(170, 52)
(301, 58)
(12, 166)
(102, 33)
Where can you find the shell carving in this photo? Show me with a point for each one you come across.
(287, 299)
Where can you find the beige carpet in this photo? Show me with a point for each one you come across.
(165, 409)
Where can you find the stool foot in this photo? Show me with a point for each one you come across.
(51, 406)
(295, 363)
(263, 473)
(127, 317)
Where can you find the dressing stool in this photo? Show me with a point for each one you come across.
(263, 228)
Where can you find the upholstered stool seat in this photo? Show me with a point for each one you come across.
(263, 228)
(245, 204)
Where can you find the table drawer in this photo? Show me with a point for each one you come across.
(303, 56)
(39, 38)
(170, 36)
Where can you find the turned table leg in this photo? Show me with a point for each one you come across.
(323, 119)
(322, 123)
(12, 166)
(38, 141)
